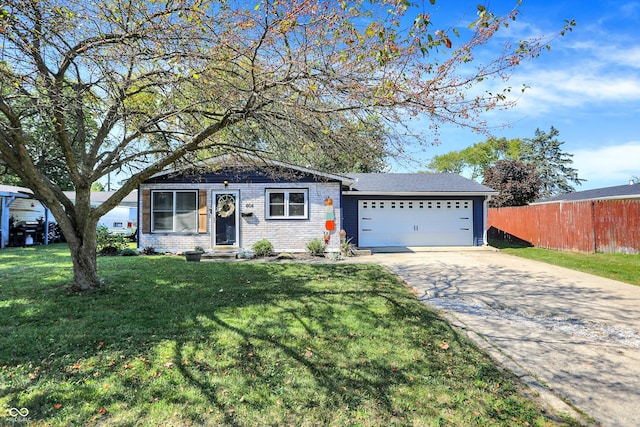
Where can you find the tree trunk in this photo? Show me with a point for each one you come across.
(85, 268)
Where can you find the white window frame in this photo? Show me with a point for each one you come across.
(174, 212)
(286, 192)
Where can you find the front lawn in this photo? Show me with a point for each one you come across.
(240, 344)
(622, 267)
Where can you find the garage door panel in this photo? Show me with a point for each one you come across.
(415, 223)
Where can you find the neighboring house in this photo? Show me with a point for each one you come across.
(21, 204)
(21, 216)
(628, 191)
(24, 220)
(233, 207)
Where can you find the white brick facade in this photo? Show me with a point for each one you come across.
(286, 235)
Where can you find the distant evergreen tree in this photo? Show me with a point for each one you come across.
(552, 165)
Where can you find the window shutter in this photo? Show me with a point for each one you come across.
(146, 211)
(202, 211)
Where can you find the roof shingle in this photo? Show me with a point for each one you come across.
(416, 183)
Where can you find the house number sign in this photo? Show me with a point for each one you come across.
(248, 205)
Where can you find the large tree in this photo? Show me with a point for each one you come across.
(476, 158)
(553, 166)
(42, 147)
(166, 79)
(543, 151)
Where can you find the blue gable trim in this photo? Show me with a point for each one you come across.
(235, 176)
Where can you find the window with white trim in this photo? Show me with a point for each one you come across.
(287, 204)
(174, 211)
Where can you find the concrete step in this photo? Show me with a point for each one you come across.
(219, 255)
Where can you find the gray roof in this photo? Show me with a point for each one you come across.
(616, 192)
(403, 183)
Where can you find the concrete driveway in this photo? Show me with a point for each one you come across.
(572, 337)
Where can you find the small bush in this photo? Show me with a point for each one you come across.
(316, 247)
(108, 251)
(246, 254)
(199, 249)
(109, 243)
(262, 248)
(347, 248)
(149, 250)
(334, 256)
(129, 252)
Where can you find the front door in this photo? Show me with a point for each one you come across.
(225, 218)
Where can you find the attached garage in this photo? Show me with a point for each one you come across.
(404, 210)
(415, 222)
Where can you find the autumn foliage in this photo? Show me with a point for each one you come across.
(139, 86)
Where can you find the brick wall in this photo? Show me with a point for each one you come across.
(285, 235)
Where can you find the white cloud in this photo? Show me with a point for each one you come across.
(622, 54)
(583, 85)
(630, 9)
(570, 87)
(608, 166)
(582, 73)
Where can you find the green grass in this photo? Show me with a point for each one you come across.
(622, 267)
(240, 344)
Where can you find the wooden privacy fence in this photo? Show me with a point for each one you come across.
(587, 226)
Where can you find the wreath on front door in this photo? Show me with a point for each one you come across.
(226, 206)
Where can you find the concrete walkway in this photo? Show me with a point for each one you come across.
(572, 337)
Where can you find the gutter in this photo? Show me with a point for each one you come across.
(418, 193)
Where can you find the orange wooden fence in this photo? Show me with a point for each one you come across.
(587, 226)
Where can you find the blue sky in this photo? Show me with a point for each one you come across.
(587, 86)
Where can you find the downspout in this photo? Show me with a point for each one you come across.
(46, 225)
(3, 213)
(139, 217)
(485, 216)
